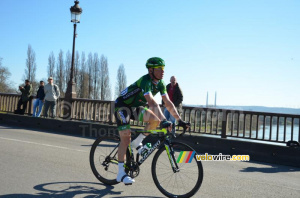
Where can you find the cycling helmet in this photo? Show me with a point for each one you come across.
(155, 62)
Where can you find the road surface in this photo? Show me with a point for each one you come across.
(41, 164)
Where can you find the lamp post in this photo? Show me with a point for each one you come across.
(71, 89)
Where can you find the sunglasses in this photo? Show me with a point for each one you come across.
(161, 67)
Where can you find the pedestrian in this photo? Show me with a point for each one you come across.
(51, 95)
(23, 101)
(176, 96)
(39, 102)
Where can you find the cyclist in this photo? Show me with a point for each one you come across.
(131, 105)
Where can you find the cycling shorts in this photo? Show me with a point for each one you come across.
(124, 114)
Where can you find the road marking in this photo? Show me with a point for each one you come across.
(48, 145)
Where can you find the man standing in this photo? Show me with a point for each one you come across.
(26, 93)
(39, 102)
(51, 95)
(176, 96)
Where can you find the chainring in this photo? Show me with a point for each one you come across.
(133, 169)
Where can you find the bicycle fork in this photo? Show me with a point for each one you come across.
(170, 152)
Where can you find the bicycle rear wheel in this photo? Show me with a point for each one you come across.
(183, 183)
(104, 159)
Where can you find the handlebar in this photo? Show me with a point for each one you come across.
(166, 124)
(181, 134)
(183, 131)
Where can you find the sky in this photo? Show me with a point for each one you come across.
(248, 51)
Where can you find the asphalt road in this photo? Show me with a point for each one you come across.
(41, 164)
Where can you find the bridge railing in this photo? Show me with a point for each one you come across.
(8, 102)
(263, 126)
(93, 110)
(272, 127)
(82, 109)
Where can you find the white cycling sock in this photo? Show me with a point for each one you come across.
(121, 173)
(138, 141)
(121, 167)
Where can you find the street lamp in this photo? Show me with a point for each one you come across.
(75, 12)
(71, 89)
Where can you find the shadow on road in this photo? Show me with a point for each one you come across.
(270, 168)
(136, 197)
(68, 189)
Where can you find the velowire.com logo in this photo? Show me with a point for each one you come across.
(187, 157)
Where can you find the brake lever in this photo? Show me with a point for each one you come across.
(183, 132)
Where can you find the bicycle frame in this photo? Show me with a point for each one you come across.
(157, 144)
(101, 160)
(165, 140)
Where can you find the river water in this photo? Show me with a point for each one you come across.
(273, 133)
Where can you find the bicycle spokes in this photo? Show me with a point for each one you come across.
(176, 178)
(104, 159)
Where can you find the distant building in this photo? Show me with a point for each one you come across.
(211, 105)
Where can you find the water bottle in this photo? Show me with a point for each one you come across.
(145, 149)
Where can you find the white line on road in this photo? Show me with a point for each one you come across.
(48, 145)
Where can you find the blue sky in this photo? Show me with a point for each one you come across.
(245, 50)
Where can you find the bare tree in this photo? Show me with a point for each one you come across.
(121, 80)
(51, 65)
(76, 66)
(30, 68)
(96, 69)
(60, 73)
(105, 92)
(5, 84)
(83, 78)
(68, 62)
(90, 74)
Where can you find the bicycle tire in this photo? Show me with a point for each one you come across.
(161, 161)
(101, 148)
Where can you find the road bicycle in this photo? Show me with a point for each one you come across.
(175, 169)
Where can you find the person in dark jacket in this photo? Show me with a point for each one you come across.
(26, 93)
(176, 96)
(39, 102)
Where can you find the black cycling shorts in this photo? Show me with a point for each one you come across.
(124, 114)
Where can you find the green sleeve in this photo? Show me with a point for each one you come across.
(162, 88)
(145, 85)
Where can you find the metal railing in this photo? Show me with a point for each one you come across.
(263, 126)
(272, 127)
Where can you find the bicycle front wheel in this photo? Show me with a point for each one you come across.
(104, 159)
(185, 181)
